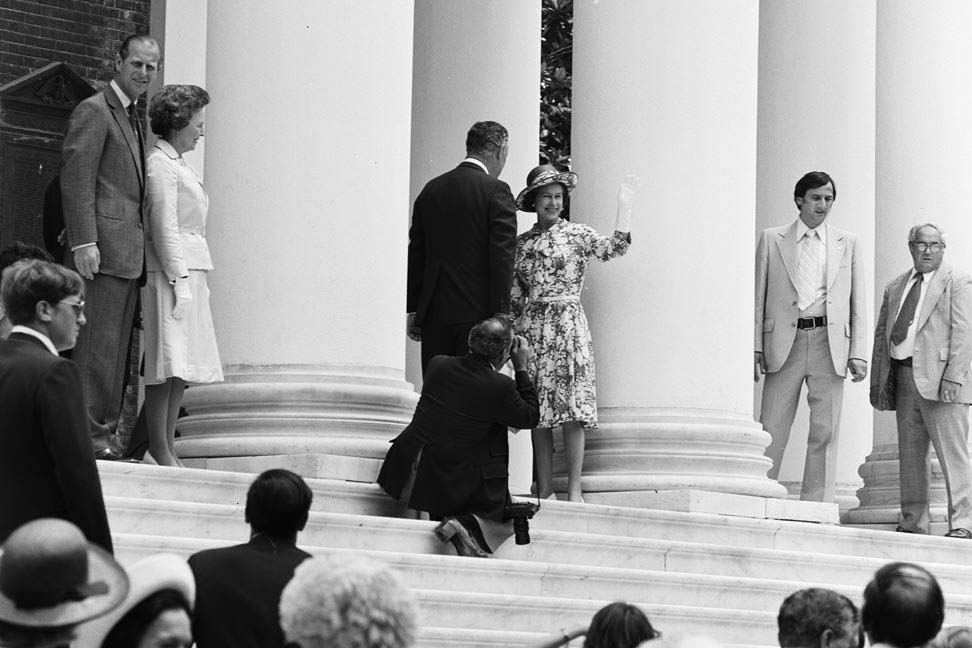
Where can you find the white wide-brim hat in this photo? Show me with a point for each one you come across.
(147, 576)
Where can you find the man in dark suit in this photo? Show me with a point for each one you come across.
(238, 588)
(922, 361)
(461, 247)
(102, 187)
(47, 466)
(458, 439)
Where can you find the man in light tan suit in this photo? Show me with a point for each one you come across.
(922, 358)
(809, 327)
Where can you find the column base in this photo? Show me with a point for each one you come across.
(880, 497)
(264, 410)
(652, 449)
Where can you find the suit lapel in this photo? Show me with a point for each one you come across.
(935, 289)
(788, 252)
(121, 118)
(835, 252)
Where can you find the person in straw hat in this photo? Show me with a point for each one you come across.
(51, 580)
(551, 262)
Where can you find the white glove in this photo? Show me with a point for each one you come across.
(626, 192)
(183, 297)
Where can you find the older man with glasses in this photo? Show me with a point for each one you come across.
(922, 360)
(47, 465)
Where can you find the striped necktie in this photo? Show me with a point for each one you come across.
(808, 274)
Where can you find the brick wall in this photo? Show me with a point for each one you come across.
(85, 34)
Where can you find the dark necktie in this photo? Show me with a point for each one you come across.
(137, 127)
(907, 314)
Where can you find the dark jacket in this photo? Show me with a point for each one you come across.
(238, 593)
(459, 427)
(461, 247)
(47, 467)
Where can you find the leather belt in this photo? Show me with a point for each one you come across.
(901, 363)
(811, 322)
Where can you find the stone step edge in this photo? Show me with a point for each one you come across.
(561, 537)
(371, 492)
(539, 569)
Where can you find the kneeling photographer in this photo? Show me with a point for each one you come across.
(451, 460)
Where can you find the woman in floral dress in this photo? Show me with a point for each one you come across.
(551, 261)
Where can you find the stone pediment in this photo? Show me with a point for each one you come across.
(43, 97)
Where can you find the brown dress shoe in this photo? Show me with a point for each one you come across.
(452, 529)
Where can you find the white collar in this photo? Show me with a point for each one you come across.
(26, 330)
(125, 101)
(925, 276)
(167, 148)
(803, 229)
(478, 163)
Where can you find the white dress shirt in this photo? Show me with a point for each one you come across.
(819, 306)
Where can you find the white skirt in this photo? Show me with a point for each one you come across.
(178, 348)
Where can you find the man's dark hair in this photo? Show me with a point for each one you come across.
(130, 629)
(490, 338)
(125, 49)
(30, 281)
(903, 606)
(810, 181)
(806, 613)
(18, 251)
(278, 503)
(486, 137)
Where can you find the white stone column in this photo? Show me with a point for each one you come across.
(307, 160)
(816, 113)
(668, 89)
(475, 60)
(924, 174)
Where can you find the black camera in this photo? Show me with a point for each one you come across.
(520, 512)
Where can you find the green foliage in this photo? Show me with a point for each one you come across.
(556, 51)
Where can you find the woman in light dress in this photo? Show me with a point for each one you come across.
(179, 340)
(551, 262)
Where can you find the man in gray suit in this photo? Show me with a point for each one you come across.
(809, 327)
(103, 185)
(922, 357)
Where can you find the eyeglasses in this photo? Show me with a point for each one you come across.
(921, 246)
(77, 307)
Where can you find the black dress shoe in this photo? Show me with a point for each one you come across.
(959, 533)
(109, 454)
(452, 529)
(901, 529)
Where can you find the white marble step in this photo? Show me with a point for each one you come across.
(341, 530)
(498, 576)
(523, 613)
(154, 482)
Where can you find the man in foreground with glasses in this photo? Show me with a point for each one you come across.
(47, 465)
(922, 360)
(809, 327)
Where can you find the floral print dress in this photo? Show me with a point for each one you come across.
(549, 275)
